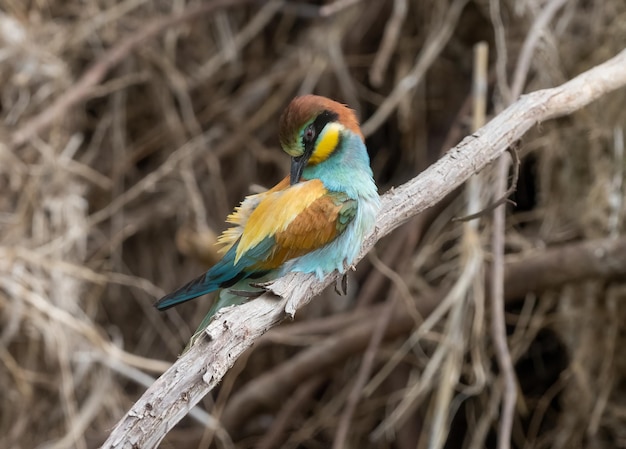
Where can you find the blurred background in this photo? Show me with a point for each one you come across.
(131, 128)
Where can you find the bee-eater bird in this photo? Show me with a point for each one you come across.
(314, 220)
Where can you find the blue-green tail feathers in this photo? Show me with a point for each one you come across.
(224, 274)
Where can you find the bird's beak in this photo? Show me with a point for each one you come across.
(297, 165)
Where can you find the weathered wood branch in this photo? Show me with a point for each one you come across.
(535, 271)
(236, 329)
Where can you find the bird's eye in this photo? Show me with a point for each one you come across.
(309, 134)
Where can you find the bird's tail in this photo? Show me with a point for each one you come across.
(224, 274)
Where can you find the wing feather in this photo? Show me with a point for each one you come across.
(286, 222)
(239, 218)
(276, 212)
(315, 226)
(271, 228)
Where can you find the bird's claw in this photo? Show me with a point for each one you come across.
(341, 286)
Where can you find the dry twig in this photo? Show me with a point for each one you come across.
(498, 327)
(82, 89)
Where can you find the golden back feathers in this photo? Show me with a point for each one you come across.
(300, 219)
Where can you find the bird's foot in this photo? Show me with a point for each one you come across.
(341, 286)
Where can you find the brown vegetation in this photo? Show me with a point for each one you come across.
(130, 130)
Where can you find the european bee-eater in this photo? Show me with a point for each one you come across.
(314, 220)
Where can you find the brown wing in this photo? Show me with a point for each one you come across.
(317, 225)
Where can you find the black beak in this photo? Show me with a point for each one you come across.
(297, 165)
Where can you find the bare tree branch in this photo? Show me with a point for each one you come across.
(531, 272)
(234, 330)
(553, 267)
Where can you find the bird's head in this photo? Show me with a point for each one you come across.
(310, 130)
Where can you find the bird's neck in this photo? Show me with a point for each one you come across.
(347, 169)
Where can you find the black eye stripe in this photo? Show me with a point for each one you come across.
(317, 126)
(322, 119)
